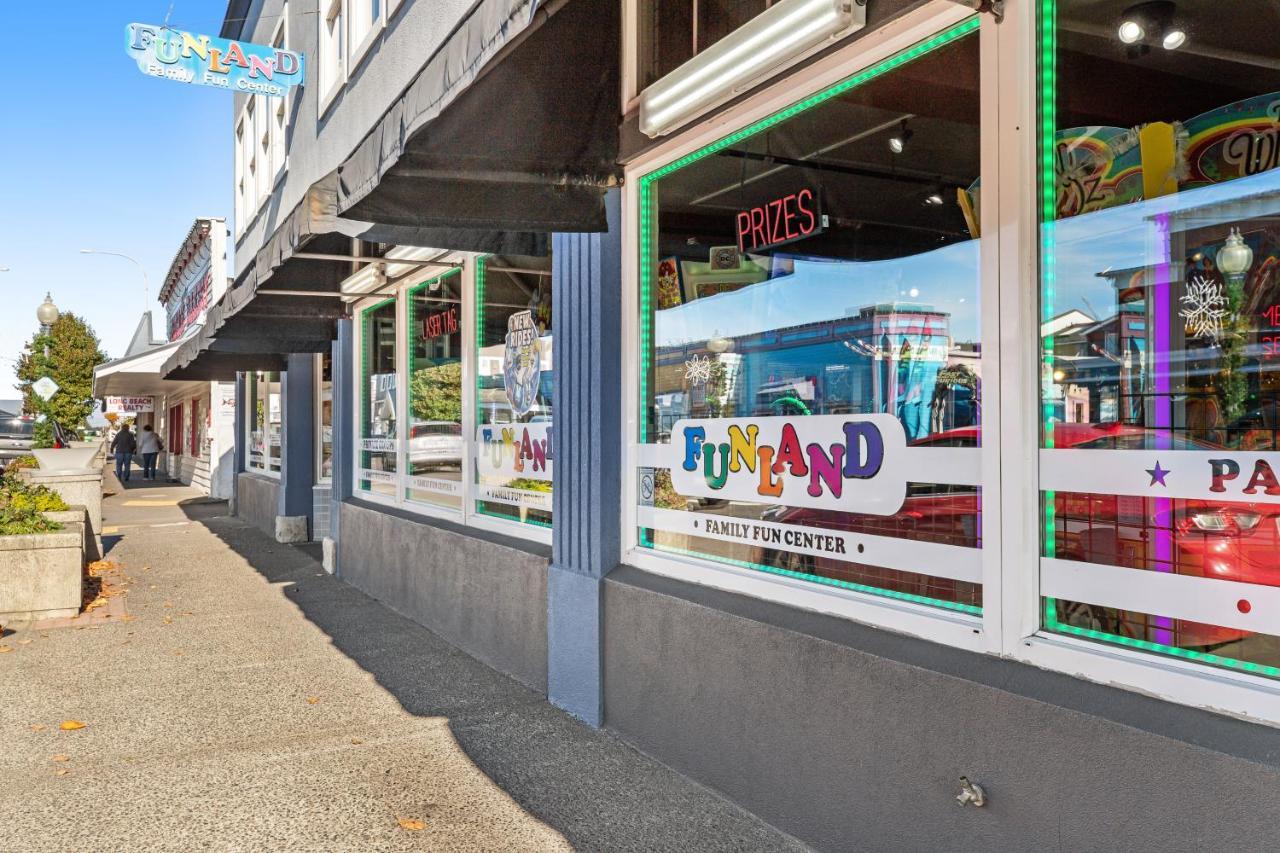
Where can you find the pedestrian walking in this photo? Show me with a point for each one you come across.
(149, 446)
(124, 446)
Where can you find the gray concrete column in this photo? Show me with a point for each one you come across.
(587, 444)
(297, 448)
(343, 435)
(240, 450)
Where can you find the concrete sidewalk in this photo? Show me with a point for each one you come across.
(252, 702)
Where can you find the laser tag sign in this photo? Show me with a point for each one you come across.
(849, 463)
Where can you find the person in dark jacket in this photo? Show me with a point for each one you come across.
(123, 446)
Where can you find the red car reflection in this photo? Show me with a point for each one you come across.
(1217, 539)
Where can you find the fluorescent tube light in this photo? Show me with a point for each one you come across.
(769, 41)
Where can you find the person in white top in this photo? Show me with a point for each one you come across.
(149, 446)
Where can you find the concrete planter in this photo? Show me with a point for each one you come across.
(65, 459)
(76, 520)
(77, 488)
(40, 575)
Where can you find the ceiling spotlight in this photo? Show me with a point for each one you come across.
(1174, 39)
(933, 199)
(898, 142)
(1131, 32)
(1154, 21)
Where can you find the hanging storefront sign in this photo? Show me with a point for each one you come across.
(522, 362)
(210, 61)
(846, 463)
(783, 220)
(130, 405)
(185, 305)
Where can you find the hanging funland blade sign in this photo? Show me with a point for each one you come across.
(210, 61)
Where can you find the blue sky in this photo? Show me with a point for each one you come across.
(96, 155)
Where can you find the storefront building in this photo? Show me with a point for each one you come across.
(195, 419)
(885, 397)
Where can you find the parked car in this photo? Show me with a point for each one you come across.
(434, 444)
(1227, 540)
(15, 437)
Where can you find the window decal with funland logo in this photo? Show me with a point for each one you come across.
(850, 463)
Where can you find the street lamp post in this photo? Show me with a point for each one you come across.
(47, 313)
(146, 283)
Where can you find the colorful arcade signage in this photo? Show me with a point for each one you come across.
(845, 463)
(784, 220)
(210, 61)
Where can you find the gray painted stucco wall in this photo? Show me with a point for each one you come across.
(258, 501)
(851, 738)
(484, 593)
(319, 143)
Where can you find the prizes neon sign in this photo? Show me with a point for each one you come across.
(783, 220)
(209, 61)
(849, 463)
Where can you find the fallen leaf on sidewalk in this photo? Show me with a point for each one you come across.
(24, 642)
(312, 700)
(61, 757)
(36, 727)
(71, 725)
(168, 620)
(412, 824)
(357, 740)
(168, 604)
(4, 649)
(62, 771)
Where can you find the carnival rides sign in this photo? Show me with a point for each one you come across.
(210, 61)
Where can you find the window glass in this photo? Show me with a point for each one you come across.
(332, 42)
(673, 31)
(1160, 298)
(435, 391)
(378, 400)
(514, 388)
(324, 418)
(810, 343)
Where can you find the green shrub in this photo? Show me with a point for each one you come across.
(27, 462)
(17, 520)
(22, 504)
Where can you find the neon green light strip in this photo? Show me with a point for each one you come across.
(1172, 651)
(856, 587)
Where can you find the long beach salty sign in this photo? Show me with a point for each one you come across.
(209, 61)
(850, 463)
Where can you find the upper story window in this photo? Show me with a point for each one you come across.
(674, 31)
(332, 50)
(240, 154)
(280, 107)
(366, 20)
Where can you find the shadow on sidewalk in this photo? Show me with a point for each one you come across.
(595, 790)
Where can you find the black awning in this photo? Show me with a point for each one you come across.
(511, 126)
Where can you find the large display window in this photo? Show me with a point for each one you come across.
(434, 335)
(514, 389)
(378, 457)
(465, 352)
(1160, 307)
(264, 423)
(810, 400)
